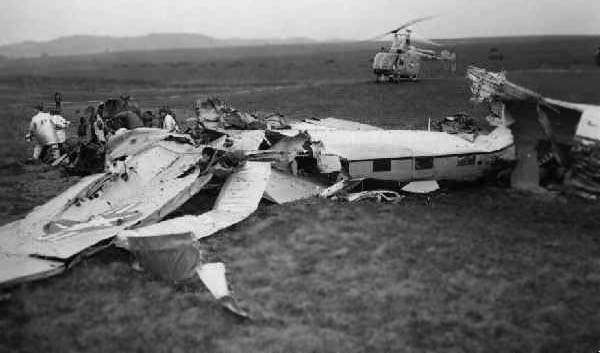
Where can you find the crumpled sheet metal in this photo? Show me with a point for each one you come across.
(239, 198)
(134, 141)
(65, 237)
(284, 187)
(21, 236)
(101, 205)
(489, 86)
(172, 257)
(239, 140)
(421, 187)
(376, 195)
(588, 129)
(20, 268)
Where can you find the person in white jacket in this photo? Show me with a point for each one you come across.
(167, 121)
(60, 124)
(43, 130)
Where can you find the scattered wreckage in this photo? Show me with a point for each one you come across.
(571, 130)
(149, 173)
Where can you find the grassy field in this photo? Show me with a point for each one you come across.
(480, 268)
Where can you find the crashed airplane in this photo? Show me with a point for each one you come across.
(149, 173)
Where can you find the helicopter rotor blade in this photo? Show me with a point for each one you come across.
(376, 38)
(396, 30)
(410, 23)
(424, 40)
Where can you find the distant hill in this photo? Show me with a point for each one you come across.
(89, 44)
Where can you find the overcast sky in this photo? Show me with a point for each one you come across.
(334, 19)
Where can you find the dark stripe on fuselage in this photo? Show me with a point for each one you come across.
(434, 156)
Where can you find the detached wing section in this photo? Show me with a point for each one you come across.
(153, 176)
(238, 198)
(15, 268)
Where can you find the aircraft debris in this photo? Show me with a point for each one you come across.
(149, 185)
(376, 195)
(213, 277)
(239, 197)
(421, 187)
(285, 187)
(176, 257)
(149, 173)
(581, 160)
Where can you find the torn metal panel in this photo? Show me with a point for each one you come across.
(20, 237)
(588, 129)
(213, 277)
(340, 186)
(421, 187)
(284, 187)
(239, 198)
(134, 141)
(22, 268)
(158, 180)
(172, 257)
(490, 86)
(239, 140)
(200, 226)
(583, 174)
(376, 195)
(244, 189)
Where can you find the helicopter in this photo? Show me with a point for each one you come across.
(403, 60)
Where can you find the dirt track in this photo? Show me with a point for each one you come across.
(479, 269)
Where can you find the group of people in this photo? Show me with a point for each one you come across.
(100, 127)
(48, 129)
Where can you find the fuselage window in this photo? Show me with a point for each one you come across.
(423, 163)
(382, 165)
(465, 160)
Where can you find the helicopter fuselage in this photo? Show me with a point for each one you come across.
(396, 65)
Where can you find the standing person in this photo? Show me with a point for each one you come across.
(195, 124)
(82, 128)
(99, 127)
(43, 130)
(58, 103)
(148, 118)
(167, 121)
(90, 112)
(61, 125)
